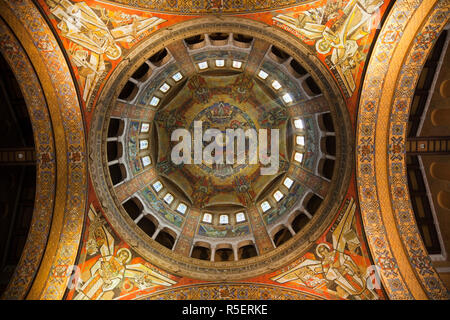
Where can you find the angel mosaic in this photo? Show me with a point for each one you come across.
(333, 268)
(95, 36)
(337, 29)
(113, 267)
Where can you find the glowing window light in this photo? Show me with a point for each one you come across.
(168, 198)
(300, 140)
(262, 74)
(276, 85)
(146, 161)
(177, 76)
(298, 123)
(207, 217)
(240, 216)
(287, 98)
(278, 195)
(143, 144)
(223, 219)
(145, 127)
(157, 186)
(220, 63)
(288, 182)
(265, 206)
(154, 102)
(181, 208)
(237, 64)
(164, 88)
(298, 157)
(203, 65)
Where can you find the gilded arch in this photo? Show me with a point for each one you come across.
(387, 214)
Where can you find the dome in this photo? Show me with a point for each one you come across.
(261, 108)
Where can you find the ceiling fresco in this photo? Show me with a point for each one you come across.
(222, 105)
(339, 37)
(196, 78)
(143, 69)
(98, 35)
(337, 267)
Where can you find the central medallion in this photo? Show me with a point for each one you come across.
(219, 102)
(222, 116)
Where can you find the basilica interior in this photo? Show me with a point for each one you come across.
(334, 183)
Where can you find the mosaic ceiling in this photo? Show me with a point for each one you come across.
(154, 229)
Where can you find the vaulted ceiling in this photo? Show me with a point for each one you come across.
(355, 209)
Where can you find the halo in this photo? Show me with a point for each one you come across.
(323, 50)
(116, 55)
(128, 251)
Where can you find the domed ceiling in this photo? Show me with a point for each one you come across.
(153, 228)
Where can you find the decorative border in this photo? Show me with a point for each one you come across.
(69, 136)
(65, 110)
(209, 6)
(398, 183)
(405, 17)
(232, 291)
(44, 143)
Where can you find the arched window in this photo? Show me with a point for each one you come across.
(168, 198)
(157, 186)
(146, 161)
(278, 195)
(181, 208)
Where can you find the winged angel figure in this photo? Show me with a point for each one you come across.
(109, 271)
(334, 268)
(95, 35)
(337, 29)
